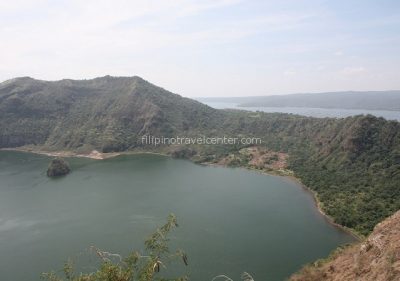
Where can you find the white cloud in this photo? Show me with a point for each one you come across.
(353, 70)
(194, 47)
(86, 31)
(289, 73)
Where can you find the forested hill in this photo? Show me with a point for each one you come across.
(352, 163)
(373, 100)
(106, 113)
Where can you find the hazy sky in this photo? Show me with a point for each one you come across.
(207, 47)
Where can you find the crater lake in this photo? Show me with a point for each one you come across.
(230, 220)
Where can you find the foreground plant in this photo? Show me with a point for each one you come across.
(135, 267)
(245, 277)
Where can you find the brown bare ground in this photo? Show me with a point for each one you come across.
(375, 259)
(264, 158)
(94, 154)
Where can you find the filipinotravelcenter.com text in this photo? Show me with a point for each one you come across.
(202, 140)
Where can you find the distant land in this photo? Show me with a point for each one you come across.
(339, 159)
(373, 100)
(352, 165)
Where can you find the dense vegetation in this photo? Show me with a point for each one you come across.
(353, 164)
(356, 173)
(106, 113)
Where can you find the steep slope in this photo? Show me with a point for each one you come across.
(106, 113)
(355, 170)
(353, 164)
(375, 259)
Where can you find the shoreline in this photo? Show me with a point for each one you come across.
(96, 155)
(317, 203)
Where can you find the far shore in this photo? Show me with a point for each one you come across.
(94, 154)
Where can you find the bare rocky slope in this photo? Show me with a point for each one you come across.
(377, 258)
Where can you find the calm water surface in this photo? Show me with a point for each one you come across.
(312, 111)
(231, 220)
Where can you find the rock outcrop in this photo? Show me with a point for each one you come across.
(58, 167)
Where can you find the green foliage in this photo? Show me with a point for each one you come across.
(352, 163)
(108, 113)
(135, 267)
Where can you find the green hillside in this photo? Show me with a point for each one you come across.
(353, 163)
(105, 113)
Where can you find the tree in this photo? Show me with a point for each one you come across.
(135, 267)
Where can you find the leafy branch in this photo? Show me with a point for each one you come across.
(135, 267)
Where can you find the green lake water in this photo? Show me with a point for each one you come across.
(230, 220)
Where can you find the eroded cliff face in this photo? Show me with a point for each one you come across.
(376, 258)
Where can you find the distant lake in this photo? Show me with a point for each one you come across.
(311, 111)
(231, 220)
